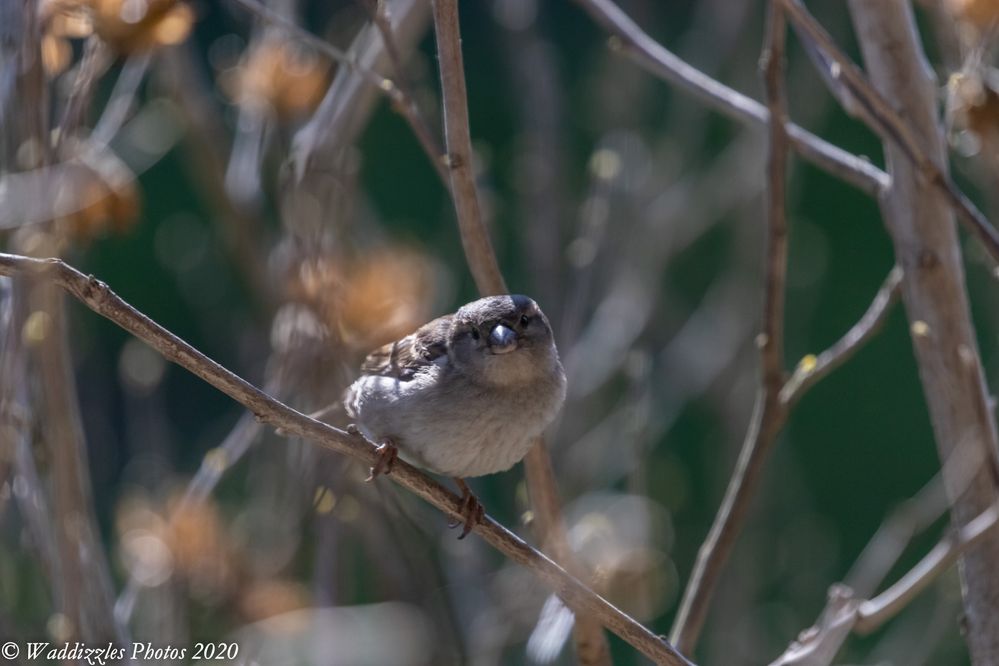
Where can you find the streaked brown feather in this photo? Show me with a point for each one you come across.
(403, 358)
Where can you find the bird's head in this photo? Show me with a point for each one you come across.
(503, 340)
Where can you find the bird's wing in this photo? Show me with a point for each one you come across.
(403, 358)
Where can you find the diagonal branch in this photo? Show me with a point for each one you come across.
(101, 299)
(846, 611)
(874, 613)
(813, 368)
(430, 143)
(660, 62)
(356, 63)
(888, 123)
(339, 56)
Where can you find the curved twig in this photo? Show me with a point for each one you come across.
(662, 63)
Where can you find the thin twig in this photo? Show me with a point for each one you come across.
(101, 299)
(400, 99)
(914, 516)
(384, 84)
(658, 61)
(92, 65)
(889, 125)
(812, 369)
(590, 641)
(88, 596)
(122, 98)
(874, 613)
(474, 237)
(845, 613)
(769, 414)
(751, 458)
(430, 144)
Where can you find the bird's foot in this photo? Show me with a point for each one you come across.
(387, 454)
(471, 510)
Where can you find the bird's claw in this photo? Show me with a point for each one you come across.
(387, 454)
(471, 511)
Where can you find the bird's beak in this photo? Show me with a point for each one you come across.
(502, 339)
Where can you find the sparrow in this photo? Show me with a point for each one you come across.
(464, 395)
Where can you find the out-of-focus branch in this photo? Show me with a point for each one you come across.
(769, 414)
(657, 60)
(213, 465)
(101, 299)
(264, 12)
(122, 98)
(336, 119)
(430, 143)
(242, 228)
(845, 613)
(16, 419)
(94, 62)
(591, 644)
(811, 369)
(361, 61)
(874, 613)
(889, 124)
(87, 596)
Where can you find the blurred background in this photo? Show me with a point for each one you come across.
(204, 173)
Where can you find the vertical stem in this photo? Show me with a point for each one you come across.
(926, 246)
(474, 237)
(591, 644)
(769, 414)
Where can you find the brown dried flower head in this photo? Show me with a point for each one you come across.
(62, 20)
(288, 78)
(369, 299)
(982, 14)
(105, 199)
(127, 26)
(261, 599)
(973, 106)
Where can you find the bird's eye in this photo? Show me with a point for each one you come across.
(475, 334)
(524, 321)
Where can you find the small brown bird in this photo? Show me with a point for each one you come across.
(464, 395)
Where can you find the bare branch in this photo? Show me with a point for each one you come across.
(430, 143)
(474, 237)
(122, 98)
(845, 613)
(770, 414)
(658, 61)
(384, 84)
(87, 595)
(101, 299)
(889, 125)
(765, 425)
(921, 223)
(357, 62)
(590, 641)
(874, 613)
(94, 62)
(813, 368)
